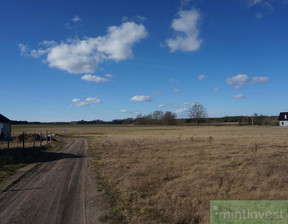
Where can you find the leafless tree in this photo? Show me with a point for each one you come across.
(197, 112)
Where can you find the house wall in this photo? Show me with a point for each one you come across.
(5, 128)
(1, 126)
(283, 123)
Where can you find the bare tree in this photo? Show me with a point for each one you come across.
(169, 118)
(197, 112)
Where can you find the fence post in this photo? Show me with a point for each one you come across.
(40, 139)
(34, 136)
(23, 134)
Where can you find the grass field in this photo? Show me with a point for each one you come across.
(169, 174)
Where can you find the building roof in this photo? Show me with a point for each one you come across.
(282, 116)
(4, 119)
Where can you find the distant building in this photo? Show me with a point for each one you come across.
(283, 119)
(5, 127)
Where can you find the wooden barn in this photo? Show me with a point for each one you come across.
(5, 127)
(283, 119)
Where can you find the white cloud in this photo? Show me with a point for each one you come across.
(264, 3)
(201, 77)
(108, 76)
(78, 103)
(186, 30)
(268, 5)
(82, 104)
(141, 98)
(94, 78)
(125, 18)
(163, 105)
(167, 105)
(23, 49)
(119, 41)
(238, 96)
(184, 3)
(94, 100)
(76, 19)
(140, 18)
(68, 26)
(254, 2)
(48, 43)
(184, 110)
(260, 79)
(75, 100)
(132, 112)
(240, 80)
(136, 18)
(176, 90)
(174, 81)
(78, 56)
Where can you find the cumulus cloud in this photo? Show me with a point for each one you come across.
(201, 77)
(75, 100)
(240, 80)
(140, 18)
(108, 76)
(238, 96)
(141, 99)
(184, 3)
(167, 105)
(184, 110)
(76, 19)
(94, 100)
(125, 18)
(174, 81)
(94, 78)
(254, 2)
(78, 56)
(23, 49)
(78, 103)
(136, 18)
(132, 112)
(185, 26)
(162, 105)
(264, 3)
(82, 104)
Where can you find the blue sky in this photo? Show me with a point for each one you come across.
(72, 60)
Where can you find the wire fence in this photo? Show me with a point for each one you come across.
(28, 140)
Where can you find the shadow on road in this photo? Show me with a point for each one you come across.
(32, 155)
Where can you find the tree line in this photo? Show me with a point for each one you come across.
(197, 115)
(157, 118)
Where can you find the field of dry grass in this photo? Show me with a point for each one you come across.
(169, 174)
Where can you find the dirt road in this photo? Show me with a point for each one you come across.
(55, 192)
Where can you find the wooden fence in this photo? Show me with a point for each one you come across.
(28, 140)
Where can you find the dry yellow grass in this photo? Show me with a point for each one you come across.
(169, 174)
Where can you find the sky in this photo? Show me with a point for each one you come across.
(107, 59)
